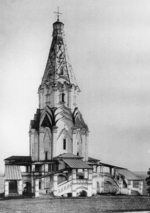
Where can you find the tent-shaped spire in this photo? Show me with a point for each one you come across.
(58, 67)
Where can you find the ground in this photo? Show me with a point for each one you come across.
(84, 205)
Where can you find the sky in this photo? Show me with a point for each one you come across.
(109, 47)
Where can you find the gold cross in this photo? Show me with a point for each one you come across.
(58, 13)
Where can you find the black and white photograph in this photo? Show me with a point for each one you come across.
(74, 106)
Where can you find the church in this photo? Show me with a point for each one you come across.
(59, 163)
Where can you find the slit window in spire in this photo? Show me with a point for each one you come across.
(64, 143)
(63, 97)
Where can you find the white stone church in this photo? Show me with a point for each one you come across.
(58, 163)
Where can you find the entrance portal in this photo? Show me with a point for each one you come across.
(12, 186)
(27, 188)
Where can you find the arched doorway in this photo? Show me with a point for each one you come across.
(81, 191)
(27, 188)
(12, 186)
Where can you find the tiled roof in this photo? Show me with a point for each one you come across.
(77, 164)
(68, 155)
(18, 160)
(109, 165)
(128, 174)
(12, 173)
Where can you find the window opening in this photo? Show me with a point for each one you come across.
(64, 144)
(39, 185)
(62, 71)
(46, 155)
(63, 97)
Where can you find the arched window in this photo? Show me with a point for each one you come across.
(64, 143)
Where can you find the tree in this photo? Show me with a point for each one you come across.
(148, 182)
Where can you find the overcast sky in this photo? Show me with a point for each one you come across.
(109, 47)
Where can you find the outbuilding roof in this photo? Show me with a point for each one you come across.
(93, 160)
(12, 172)
(68, 156)
(128, 174)
(77, 164)
(18, 160)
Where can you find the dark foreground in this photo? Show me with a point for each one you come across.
(83, 205)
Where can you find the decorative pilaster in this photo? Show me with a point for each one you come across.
(41, 153)
(20, 187)
(74, 194)
(37, 188)
(6, 188)
(71, 98)
(102, 180)
(74, 132)
(55, 96)
(47, 99)
(83, 143)
(94, 180)
(89, 194)
(55, 180)
(87, 146)
(54, 143)
(32, 141)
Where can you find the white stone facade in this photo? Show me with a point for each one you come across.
(58, 160)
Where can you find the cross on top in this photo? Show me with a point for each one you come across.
(58, 13)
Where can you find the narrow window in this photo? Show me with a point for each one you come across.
(77, 153)
(64, 144)
(62, 71)
(46, 155)
(39, 185)
(63, 97)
